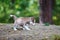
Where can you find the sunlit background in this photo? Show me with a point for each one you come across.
(19, 8)
(25, 8)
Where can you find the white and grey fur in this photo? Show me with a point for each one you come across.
(23, 21)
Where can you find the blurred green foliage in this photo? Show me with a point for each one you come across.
(56, 13)
(25, 8)
(19, 8)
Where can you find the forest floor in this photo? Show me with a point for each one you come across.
(37, 32)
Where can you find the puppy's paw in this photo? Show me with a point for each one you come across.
(14, 29)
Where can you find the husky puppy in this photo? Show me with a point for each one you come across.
(23, 21)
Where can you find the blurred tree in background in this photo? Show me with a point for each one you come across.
(25, 8)
(46, 11)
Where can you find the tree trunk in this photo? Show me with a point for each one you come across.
(46, 11)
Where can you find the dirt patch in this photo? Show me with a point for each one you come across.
(37, 32)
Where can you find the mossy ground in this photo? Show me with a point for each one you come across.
(37, 32)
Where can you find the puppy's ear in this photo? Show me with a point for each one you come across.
(11, 15)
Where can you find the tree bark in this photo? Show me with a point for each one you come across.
(46, 11)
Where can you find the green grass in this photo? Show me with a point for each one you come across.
(53, 37)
